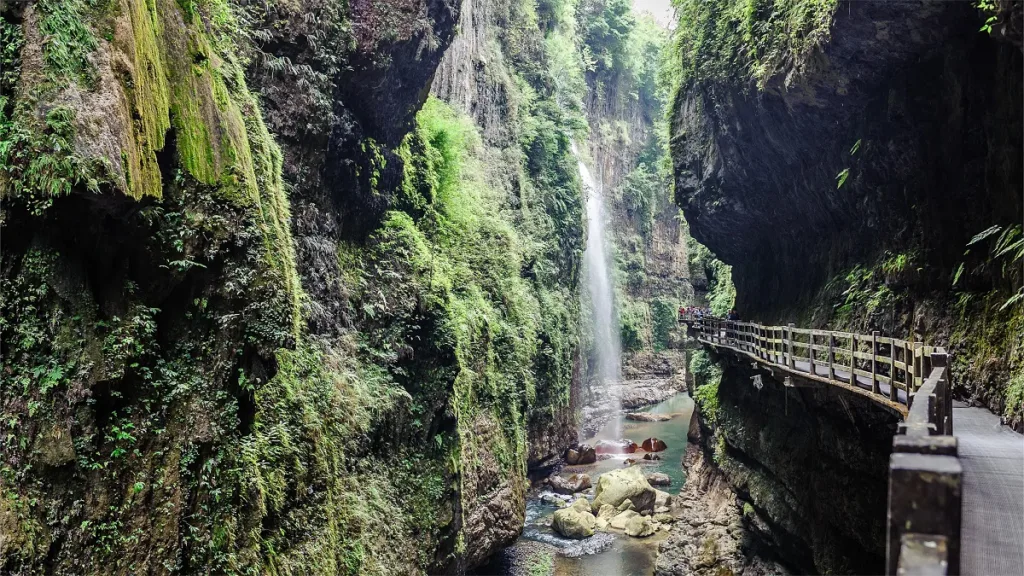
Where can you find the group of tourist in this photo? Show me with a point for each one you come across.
(700, 313)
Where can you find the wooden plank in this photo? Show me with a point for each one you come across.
(883, 340)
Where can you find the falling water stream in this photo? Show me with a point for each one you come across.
(596, 266)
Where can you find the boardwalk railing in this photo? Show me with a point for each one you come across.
(907, 376)
(887, 369)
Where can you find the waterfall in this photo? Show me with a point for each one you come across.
(596, 267)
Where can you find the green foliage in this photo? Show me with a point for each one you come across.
(1015, 397)
(665, 313)
(747, 40)
(1004, 260)
(707, 376)
(863, 290)
(38, 160)
(721, 290)
(67, 40)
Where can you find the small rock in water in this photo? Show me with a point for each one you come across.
(654, 445)
(648, 417)
(629, 461)
(571, 485)
(658, 479)
(650, 456)
(552, 499)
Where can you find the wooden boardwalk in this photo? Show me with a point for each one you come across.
(956, 493)
(992, 456)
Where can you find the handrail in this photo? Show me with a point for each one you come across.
(889, 370)
(924, 469)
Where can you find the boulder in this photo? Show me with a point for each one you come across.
(576, 521)
(582, 454)
(615, 447)
(662, 499)
(626, 505)
(607, 512)
(629, 461)
(654, 445)
(553, 500)
(624, 484)
(622, 518)
(587, 454)
(639, 527)
(658, 479)
(648, 417)
(571, 485)
(664, 518)
(650, 456)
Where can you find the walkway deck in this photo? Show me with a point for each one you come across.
(991, 539)
(992, 529)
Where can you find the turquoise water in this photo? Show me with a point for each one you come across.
(609, 554)
(673, 432)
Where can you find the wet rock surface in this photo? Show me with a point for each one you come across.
(710, 538)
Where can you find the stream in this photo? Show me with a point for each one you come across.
(604, 553)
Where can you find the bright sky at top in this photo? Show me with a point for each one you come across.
(660, 9)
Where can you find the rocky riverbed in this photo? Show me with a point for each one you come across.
(610, 550)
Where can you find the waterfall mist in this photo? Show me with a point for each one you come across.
(597, 273)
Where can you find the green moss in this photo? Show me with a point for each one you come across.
(707, 376)
(741, 40)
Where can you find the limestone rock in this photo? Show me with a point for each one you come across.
(615, 447)
(693, 433)
(628, 483)
(571, 485)
(658, 479)
(576, 521)
(607, 512)
(648, 417)
(620, 520)
(626, 505)
(662, 498)
(664, 518)
(639, 527)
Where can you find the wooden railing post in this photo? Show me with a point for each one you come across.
(853, 358)
(924, 498)
(943, 398)
(918, 365)
(831, 356)
(789, 345)
(874, 362)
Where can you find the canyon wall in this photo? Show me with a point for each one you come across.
(843, 158)
(268, 307)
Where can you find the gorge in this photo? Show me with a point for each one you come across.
(365, 286)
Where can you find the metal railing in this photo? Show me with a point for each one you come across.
(907, 376)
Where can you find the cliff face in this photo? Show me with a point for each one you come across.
(845, 183)
(840, 156)
(809, 465)
(260, 314)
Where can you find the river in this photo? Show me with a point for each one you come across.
(542, 551)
